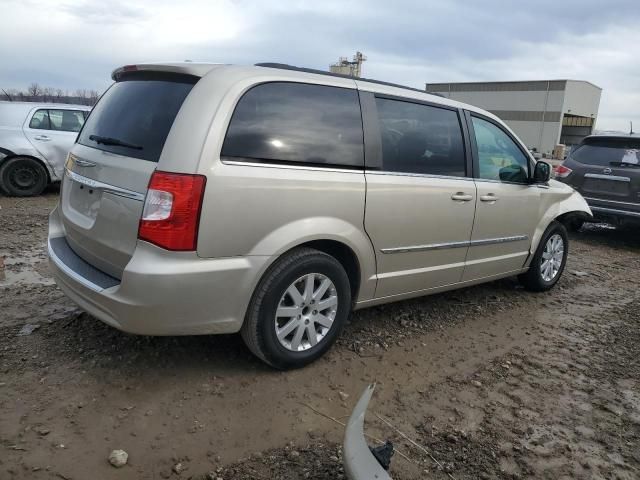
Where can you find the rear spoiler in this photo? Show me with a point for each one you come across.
(184, 68)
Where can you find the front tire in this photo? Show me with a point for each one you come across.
(23, 177)
(298, 309)
(549, 260)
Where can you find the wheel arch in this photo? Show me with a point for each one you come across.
(345, 255)
(568, 217)
(570, 207)
(334, 236)
(31, 157)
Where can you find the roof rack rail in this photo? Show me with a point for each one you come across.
(284, 66)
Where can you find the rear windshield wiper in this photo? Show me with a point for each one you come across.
(113, 141)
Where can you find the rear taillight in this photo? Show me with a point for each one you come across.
(172, 210)
(562, 171)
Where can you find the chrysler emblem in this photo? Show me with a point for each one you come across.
(607, 171)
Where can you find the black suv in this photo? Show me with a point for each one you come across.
(605, 169)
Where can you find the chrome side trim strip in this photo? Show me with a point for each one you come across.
(105, 187)
(607, 177)
(615, 211)
(490, 241)
(637, 204)
(424, 248)
(78, 278)
(336, 169)
(290, 167)
(440, 246)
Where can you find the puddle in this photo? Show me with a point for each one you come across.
(24, 269)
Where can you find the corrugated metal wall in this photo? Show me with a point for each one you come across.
(533, 109)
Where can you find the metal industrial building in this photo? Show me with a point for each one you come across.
(352, 68)
(543, 113)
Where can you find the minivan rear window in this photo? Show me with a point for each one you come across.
(605, 152)
(134, 116)
(297, 123)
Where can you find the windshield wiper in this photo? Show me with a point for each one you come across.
(113, 141)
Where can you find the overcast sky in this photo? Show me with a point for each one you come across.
(76, 43)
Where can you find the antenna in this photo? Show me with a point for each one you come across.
(631, 128)
(8, 96)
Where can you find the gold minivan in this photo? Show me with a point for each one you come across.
(272, 201)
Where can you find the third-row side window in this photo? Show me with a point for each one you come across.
(299, 123)
(419, 138)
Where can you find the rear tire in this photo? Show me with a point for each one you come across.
(23, 177)
(549, 260)
(311, 319)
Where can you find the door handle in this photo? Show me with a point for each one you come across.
(461, 197)
(43, 138)
(490, 197)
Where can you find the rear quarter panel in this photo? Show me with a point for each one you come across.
(266, 210)
(14, 140)
(254, 209)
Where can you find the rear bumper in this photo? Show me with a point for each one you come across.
(161, 292)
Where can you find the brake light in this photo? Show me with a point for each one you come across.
(171, 213)
(562, 171)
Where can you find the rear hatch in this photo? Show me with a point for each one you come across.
(108, 170)
(607, 171)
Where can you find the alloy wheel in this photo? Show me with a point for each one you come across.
(552, 257)
(306, 312)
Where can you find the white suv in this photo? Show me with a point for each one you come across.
(34, 141)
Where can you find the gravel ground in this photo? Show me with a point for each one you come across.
(487, 382)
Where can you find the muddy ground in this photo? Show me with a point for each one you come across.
(489, 382)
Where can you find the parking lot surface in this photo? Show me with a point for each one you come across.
(487, 382)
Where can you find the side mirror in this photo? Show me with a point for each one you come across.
(542, 172)
(513, 173)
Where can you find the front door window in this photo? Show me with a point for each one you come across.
(499, 157)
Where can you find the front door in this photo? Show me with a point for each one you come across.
(420, 203)
(507, 206)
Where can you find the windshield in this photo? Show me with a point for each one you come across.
(606, 152)
(134, 116)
